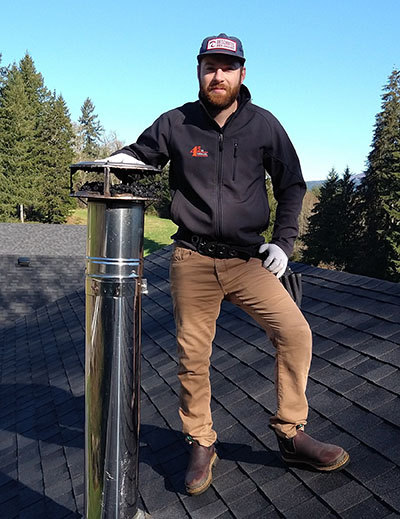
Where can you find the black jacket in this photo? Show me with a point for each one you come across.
(217, 175)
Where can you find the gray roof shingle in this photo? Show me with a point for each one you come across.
(353, 392)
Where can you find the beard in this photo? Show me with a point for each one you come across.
(218, 102)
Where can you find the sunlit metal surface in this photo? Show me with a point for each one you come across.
(113, 299)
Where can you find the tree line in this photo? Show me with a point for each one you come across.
(345, 225)
(38, 142)
(356, 226)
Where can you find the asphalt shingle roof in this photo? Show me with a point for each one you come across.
(42, 239)
(353, 391)
(56, 256)
(46, 279)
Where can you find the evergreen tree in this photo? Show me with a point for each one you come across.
(18, 143)
(57, 139)
(90, 132)
(3, 73)
(35, 144)
(33, 81)
(347, 229)
(380, 191)
(332, 230)
(320, 238)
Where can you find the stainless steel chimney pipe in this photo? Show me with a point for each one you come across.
(114, 268)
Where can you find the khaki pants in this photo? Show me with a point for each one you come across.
(198, 286)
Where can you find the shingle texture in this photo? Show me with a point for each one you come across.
(46, 279)
(56, 265)
(42, 239)
(353, 392)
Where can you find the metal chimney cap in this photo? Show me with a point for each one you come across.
(23, 261)
(112, 166)
(108, 190)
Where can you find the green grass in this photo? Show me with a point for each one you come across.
(157, 231)
(78, 217)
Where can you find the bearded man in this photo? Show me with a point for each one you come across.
(219, 149)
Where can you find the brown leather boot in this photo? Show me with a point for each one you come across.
(304, 450)
(199, 471)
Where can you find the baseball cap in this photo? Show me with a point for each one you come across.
(222, 44)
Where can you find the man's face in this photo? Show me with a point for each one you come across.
(220, 78)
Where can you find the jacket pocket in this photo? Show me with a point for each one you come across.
(235, 154)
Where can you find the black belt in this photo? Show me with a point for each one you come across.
(215, 249)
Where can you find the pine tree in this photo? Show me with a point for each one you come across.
(89, 131)
(332, 228)
(18, 139)
(34, 83)
(320, 241)
(347, 230)
(57, 137)
(380, 191)
(35, 146)
(3, 73)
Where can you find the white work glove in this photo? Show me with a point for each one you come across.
(276, 261)
(123, 158)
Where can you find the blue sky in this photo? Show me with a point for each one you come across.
(319, 66)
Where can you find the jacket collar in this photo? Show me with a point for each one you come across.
(244, 95)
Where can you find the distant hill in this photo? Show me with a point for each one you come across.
(317, 183)
(314, 183)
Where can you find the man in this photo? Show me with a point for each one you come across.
(219, 148)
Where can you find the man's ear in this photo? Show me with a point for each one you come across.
(198, 71)
(243, 75)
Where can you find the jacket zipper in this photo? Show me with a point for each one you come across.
(219, 183)
(235, 152)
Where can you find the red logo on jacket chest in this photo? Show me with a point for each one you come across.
(197, 151)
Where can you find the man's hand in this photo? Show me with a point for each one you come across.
(276, 261)
(122, 158)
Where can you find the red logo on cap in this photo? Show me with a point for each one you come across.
(221, 43)
(198, 151)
